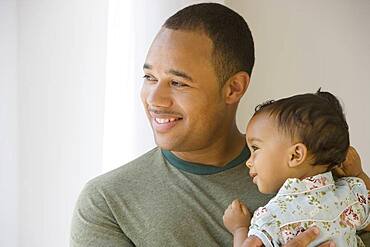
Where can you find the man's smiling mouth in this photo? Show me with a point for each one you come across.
(166, 120)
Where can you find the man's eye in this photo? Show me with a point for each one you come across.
(149, 78)
(178, 84)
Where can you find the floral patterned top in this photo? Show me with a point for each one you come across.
(339, 208)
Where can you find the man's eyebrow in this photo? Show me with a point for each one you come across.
(147, 66)
(180, 74)
(171, 71)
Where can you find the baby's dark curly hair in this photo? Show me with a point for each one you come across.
(316, 120)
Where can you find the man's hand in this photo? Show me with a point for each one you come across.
(236, 217)
(351, 167)
(306, 237)
(252, 241)
(302, 240)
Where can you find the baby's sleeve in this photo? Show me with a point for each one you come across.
(362, 208)
(264, 226)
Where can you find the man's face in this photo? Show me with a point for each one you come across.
(180, 93)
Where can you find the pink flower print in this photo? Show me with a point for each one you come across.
(289, 232)
(349, 218)
(315, 182)
(287, 235)
(260, 211)
(361, 198)
(299, 230)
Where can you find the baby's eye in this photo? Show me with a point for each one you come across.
(254, 148)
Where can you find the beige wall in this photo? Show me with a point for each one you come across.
(304, 45)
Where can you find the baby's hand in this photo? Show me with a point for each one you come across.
(236, 216)
(351, 167)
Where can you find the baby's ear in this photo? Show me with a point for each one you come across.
(297, 154)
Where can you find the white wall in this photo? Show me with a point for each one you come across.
(304, 45)
(62, 49)
(8, 123)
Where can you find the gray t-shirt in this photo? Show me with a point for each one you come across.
(160, 200)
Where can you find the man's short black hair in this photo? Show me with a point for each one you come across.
(316, 120)
(233, 47)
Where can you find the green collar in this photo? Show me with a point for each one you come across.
(201, 169)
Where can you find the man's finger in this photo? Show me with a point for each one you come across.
(253, 241)
(339, 172)
(304, 238)
(327, 244)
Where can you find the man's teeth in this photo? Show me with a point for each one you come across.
(164, 120)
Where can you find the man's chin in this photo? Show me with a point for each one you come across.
(164, 143)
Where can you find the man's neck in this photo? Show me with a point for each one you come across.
(219, 153)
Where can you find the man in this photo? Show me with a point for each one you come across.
(196, 71)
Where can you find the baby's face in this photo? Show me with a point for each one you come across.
(269, 158)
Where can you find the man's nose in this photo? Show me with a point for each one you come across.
(159, 95)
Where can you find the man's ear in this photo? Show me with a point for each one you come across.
(235, 87)
(297, 154)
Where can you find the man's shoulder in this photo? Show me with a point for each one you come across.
(134, 170)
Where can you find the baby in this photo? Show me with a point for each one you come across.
(294, 143)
